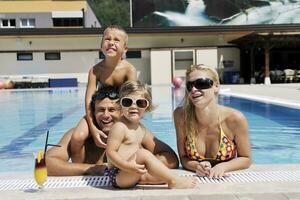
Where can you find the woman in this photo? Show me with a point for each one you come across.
(211, 139)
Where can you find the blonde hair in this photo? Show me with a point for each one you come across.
(132, 87)
(189, 114)
(116, 27)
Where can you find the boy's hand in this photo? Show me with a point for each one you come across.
(96, 133)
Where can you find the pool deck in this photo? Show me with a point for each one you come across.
(282, 94)
(208, 191)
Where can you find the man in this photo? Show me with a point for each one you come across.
(106, 113)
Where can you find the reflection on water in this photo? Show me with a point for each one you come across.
(273, 12)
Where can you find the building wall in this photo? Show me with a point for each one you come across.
(90, 20)
(142, 66)
(41, 11)
(207, 56)
(80, 52)
(161, 67)
(40, 6)
(42, 20)
(67, 66)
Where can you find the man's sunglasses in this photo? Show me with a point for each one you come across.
(200, 84)
(128, 101)
(112, 95)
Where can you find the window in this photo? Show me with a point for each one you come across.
(60, 22)
(133, 54)
(52, 56)
(129, 54)
(181, 60)
(27, 23)
(24, 56)
(8, 23)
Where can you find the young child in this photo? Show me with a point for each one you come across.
(128, 161)
(113, 71)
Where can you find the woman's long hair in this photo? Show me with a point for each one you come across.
(189, 111)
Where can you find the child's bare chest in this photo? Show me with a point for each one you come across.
(134, 138)
(115, 78)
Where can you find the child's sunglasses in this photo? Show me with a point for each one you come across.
(141, 103)
(200, 84)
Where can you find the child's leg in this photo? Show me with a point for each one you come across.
(80, 134)
(127, 180)
(158, 170)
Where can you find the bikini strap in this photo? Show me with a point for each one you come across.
(219, 121)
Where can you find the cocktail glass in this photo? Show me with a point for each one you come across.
(40, 169)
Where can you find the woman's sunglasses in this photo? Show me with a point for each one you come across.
(141, 103)
(200, 84)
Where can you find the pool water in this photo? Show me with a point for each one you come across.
(27, 115)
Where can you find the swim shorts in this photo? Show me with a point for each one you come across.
(112, 173)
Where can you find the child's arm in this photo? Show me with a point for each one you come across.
(91, 88)
(115, 138)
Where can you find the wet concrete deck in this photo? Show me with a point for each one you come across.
(286, 190)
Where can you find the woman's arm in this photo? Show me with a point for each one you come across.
(181, 137)
(238, 125)
(160, 149)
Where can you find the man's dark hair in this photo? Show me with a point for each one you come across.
(110, 92)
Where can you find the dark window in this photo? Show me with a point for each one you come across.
(24, 56)
(101, 55)
(67, 22)
(52, 56)
(12, 22)
(133, 54)
(4, 22)
(8, 23)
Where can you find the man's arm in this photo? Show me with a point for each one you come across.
(160, 149)
(57, 160)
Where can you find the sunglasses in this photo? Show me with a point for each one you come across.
(200, 84)
(128, 101)
(111, 95)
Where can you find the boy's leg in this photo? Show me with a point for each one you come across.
(80, 134)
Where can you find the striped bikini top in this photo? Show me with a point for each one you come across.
(227, 149)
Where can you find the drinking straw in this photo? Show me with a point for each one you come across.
(46, 144)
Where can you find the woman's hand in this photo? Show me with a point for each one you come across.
(218, 171)
(203, 168)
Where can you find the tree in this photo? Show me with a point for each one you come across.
(111, 12)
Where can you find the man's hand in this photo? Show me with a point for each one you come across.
(96, 170)
(96, 133)
(203, 168)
